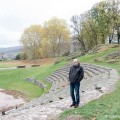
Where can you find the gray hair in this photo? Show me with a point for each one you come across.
(76, 60)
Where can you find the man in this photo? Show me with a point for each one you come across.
(76, 74)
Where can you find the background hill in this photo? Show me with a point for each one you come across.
(9, 53)
(11, 49)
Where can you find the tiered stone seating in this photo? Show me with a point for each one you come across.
(94, 75)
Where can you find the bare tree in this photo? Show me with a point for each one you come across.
(77, 28)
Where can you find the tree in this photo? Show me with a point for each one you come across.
(77, 28)
(49, 40)
(57, 35)
(31, 41)
(17, 57)
(116, 16)
(94, 26)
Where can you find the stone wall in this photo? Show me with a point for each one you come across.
(35, 82)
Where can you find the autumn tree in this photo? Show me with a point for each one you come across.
(57, 36)
(49, 40)
(31, 41)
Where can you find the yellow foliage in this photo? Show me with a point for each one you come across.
(45, 41)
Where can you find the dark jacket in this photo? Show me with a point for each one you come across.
(76, 74)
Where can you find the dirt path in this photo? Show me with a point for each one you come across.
(7, 101)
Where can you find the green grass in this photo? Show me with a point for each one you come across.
(6, 64)
(89, 58)
(15, 79)
(108, 106)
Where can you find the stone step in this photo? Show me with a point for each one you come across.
(93, 72)
(51, 78)
(89, 73)
(98, 69)
(65, 72)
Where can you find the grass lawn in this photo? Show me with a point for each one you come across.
(108, 106)
(6, 64)
(15, 79)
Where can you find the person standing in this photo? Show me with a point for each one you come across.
(76, 74)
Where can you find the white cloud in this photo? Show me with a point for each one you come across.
(15, 15)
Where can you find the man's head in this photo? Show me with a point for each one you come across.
(76, 62)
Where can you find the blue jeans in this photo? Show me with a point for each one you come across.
(75, 87)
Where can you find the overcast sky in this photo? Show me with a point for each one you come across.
(15, 15)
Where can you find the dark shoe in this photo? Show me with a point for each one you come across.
(76, 106)
(72, 105)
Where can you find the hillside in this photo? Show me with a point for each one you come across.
(10, 49)
(9, 53)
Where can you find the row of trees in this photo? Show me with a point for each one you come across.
(90, 29)
(94, 26)
(50, 40)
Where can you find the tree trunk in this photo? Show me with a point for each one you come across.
(118, 39)
(82, 43)
(110, 40)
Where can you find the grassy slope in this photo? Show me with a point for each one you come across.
(108, 106)
(15, 79)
